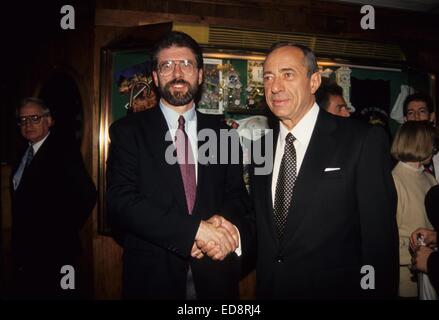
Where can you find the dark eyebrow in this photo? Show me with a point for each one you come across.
(421, 108)
(287, 69)
(282, 70)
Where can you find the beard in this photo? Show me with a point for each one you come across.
(178, 98)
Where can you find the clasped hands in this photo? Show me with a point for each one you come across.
(420, 253)
(216, 238)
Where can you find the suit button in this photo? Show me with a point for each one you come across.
(280, 259)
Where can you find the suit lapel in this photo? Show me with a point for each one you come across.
(202, 169)
(15, 167)
(37, 163)
(157, 129)
(18, 161)
(318, 154)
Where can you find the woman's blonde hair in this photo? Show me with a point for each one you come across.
(414, 141)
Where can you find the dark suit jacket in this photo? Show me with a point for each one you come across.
(146, 201)
(52, 202)
(338, 222)
(432, 208)
(433, 269)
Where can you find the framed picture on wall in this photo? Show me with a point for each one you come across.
(126, 87)
(233, 83)
(212, 99)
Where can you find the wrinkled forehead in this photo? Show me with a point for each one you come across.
(30, 109)
(175, 53)
(416, 105)
(284, 57)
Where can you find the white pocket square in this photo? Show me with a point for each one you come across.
(331, 169)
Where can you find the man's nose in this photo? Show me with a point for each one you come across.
(345, 112)
(277, 85)
(177, 70)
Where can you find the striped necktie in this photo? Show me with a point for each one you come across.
(30, 155)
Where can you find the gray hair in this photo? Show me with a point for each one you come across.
(33, 100)
(309, 57)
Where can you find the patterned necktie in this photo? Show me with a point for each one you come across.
(185, 159)
(30, 155)
(285, 185)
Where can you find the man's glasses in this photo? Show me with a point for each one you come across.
(34, 119)
(168, 67)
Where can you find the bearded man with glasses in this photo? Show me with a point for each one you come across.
(179, 221)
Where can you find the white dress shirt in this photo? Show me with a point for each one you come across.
(302, 131)
(19, 173)
(190, 126)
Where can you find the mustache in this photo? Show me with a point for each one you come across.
(177, 81)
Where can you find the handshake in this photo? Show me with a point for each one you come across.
(422, 251)
(216, 238)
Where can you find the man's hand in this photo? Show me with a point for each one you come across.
(216, 242)
(430, 238)
(212, 249)
(220, 222)
(419, 260)
(196, 252)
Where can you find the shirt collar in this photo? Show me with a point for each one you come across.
(406, 165)
(38, 144)
(302, 131)
(172, 116)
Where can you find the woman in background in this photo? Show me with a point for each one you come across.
(412, 147)
(426, 258)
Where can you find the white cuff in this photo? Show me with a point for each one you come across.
(238, 250)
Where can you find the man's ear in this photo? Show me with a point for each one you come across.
(156, 79)
(200, 76)
(315, 81)
(50, 121)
